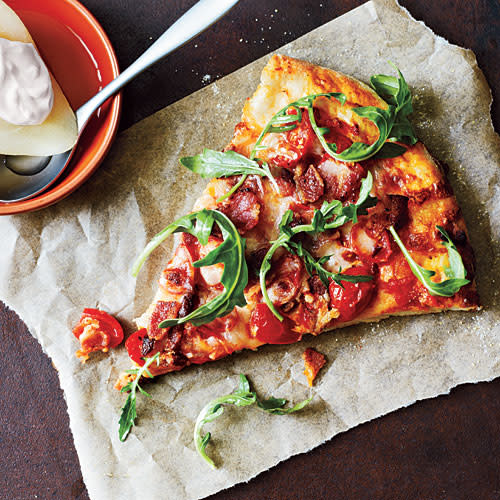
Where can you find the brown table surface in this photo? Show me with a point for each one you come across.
(444, 448)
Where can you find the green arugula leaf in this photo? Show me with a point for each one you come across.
(393, 124)
(242, 396)
(214, 164)
(314, 266)
(129, 413)
(231, 253)
(456, 271)
(331, 215)
(275, 406)
(390, 150)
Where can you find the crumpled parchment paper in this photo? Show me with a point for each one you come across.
(79, 252)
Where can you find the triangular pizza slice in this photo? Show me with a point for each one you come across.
(323, 211)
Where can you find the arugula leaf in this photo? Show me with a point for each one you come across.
(129, 413)
(214, 164)
(275, 406)
(331, 215)
(390, 150)
(231, 253)
(316, 266)
(392, 123)
(455, 272)
(242, 396)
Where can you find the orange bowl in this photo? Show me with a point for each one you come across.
(76, 49)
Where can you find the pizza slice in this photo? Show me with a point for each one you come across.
(324, 211)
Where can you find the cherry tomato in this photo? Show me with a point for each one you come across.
(134, 346)
(354, 297)
(97, 331)
(266, 327)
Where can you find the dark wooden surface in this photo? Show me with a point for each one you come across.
(444, 448)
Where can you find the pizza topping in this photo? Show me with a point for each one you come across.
(455, 272)
(342, 180)
(313, 362)
(310, 185)
(265, 327)
(294, 145)
(242, 396)
(163, 310)
(286, 280)
(97, 331)
(243, 209)
(330, 216)
(316, 285)
(370, 242)
(351, 298)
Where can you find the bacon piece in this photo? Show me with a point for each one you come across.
(286, 279)
(310, 185)
(316, 285)
(243, 209)
(313, 362)
(342, 180)
(178, 277)
(163, 310)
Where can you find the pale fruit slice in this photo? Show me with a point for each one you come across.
(58, 132)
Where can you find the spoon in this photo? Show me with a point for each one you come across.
(23, 177)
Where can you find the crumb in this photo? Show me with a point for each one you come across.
(313, 362)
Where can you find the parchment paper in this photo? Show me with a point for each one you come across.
(79, 252)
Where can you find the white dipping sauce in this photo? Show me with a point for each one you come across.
(26, 94)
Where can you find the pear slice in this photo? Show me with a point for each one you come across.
(58, 132)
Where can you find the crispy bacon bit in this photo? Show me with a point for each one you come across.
(243, 209)
(285, 279)
(313, 362)
(147, 346)
(316, 285)
(178, 277)
(163, 310)
(341, 180)
(285, 182)
(420, 241)
(310, 185)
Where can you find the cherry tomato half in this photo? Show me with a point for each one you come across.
(266, 327)
(354, 297)
(97, 331)
(134, 346)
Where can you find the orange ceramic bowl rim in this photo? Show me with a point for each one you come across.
(67, 186)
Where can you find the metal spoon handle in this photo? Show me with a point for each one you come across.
(193, 22)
